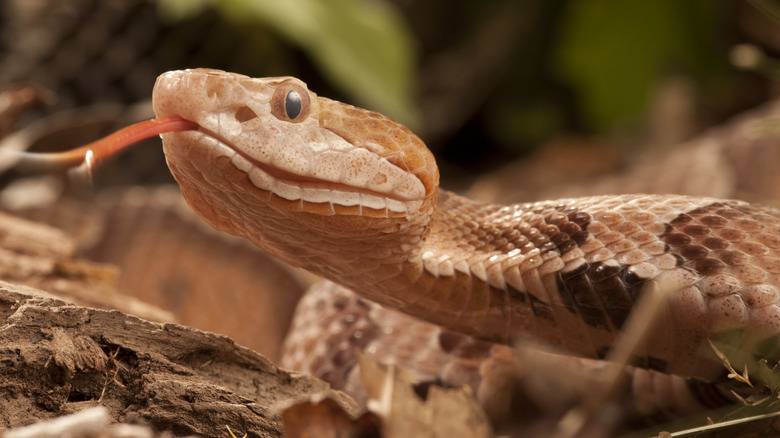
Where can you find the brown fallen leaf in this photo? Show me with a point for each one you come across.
(445, 413)
(327, 419)
(18, 98)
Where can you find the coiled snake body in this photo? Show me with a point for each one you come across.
(353, 196)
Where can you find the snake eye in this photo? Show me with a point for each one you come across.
(290, 103)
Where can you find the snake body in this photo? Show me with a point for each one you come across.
(353, 196)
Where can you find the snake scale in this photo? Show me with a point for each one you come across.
(353, 196)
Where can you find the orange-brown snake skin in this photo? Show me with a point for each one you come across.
(353, 196)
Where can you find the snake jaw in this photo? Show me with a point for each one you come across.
(302, 164)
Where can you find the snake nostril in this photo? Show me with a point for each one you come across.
(245, 114)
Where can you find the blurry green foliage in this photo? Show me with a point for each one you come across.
(521, 126)
(613, 52)
(363, 47)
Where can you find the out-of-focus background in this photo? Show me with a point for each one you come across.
(483, 83)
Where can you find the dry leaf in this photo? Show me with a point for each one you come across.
(446, 413)
(326, 419)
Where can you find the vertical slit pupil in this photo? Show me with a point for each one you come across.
(292, 105)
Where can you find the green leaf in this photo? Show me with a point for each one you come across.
(613, 52)
(363, 47)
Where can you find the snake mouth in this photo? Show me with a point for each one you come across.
(303, 192)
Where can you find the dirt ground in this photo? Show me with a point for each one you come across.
(58, 358)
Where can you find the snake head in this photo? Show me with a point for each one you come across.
(271, 150)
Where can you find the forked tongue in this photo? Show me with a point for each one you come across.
(86, 156)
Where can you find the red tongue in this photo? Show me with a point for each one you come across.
(112, 143)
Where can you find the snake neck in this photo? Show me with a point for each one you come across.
(433, 263)
(446, 265)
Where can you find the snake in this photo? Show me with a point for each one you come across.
(353, 197)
